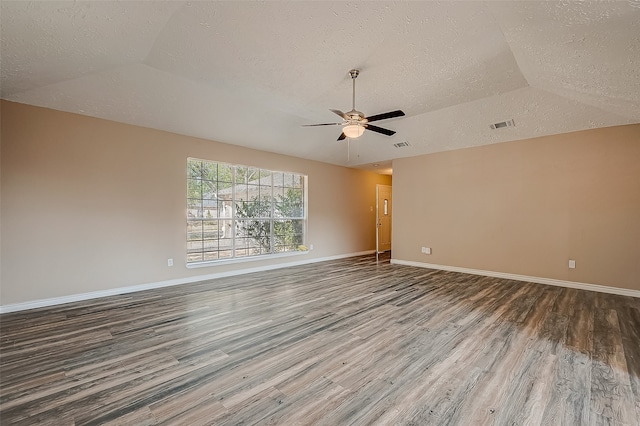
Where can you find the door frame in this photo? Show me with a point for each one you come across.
(378, 224)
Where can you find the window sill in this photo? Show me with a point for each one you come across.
(210, 263)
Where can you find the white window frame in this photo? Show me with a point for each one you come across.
(232, 251)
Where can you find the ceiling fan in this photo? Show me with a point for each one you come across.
(355, 122)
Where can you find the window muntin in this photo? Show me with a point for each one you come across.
(239, 211)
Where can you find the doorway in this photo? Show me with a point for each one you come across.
(383, 218)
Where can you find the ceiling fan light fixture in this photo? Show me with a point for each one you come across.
(353, 131)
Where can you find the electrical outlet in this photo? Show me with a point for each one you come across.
(310, 246)
(572, 264)
(169, 262)
(427, 250)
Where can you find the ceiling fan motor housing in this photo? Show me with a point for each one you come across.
(356, 117)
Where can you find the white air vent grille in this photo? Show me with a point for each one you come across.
(508, 123)
(401, 144)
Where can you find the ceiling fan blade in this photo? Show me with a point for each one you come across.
(342, 136)
(384, 116)
(340, 113)
(322, 124)
(379, 129)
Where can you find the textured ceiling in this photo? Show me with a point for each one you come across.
(251, 73)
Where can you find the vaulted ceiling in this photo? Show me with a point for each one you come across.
(251, 73)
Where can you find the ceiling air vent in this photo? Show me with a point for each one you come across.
(401, 144)
(508, 123)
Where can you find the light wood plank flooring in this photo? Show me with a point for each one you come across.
(334, 343)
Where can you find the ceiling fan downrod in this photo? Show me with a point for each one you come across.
(354, 74)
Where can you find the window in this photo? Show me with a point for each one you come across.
(239, 211)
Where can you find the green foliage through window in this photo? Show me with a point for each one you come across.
(238, 211)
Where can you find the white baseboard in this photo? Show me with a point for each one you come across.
(538, 280)
(15, 307)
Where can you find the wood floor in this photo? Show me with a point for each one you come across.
(334, 343)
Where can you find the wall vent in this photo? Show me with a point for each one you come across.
(401, 144)
(508, 123)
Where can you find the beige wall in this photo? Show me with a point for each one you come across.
(527, 207)
(90, 205)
